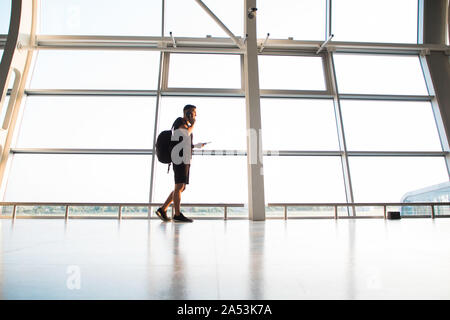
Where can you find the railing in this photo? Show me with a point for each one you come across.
(119, 206)
(225, 206)
(432, 205)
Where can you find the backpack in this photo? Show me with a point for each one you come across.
(164, 146)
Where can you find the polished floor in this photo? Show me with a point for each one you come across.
(216, 259)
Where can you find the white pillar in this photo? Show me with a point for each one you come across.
(256, 204)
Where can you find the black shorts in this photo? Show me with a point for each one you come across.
(181, 173)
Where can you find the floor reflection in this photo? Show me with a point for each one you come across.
(256, 261)
(215, 259)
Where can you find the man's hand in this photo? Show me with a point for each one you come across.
(199, 145)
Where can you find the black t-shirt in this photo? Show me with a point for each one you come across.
(179, 122)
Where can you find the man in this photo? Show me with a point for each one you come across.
(182, 127)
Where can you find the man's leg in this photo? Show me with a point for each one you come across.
(166, 204)
(179, 188)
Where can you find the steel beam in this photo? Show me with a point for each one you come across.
(220, 23)
(436, 67)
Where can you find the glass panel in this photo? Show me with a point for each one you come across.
(5, 16)
(383, 21)
(388, 179)
(88, 122)
(135, 211)
(310, 212)
(55, 211)
(6, 211)
(297, 124)
(126, 70)
(389, 126)
(303, 179)
(204, 71)
(300, 19)
(213, 179)
(101, 17)
(379, 74)
(187, 19)
(79, 178)
(291, 73)
(209, 112)
(94, 211)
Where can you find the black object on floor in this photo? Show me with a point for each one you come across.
(393, 215)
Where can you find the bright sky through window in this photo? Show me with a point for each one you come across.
(379, 74)
(375, 21)
(205, 71)
(291, 72)
(188, 19)
(300, 19)
(5, 15)
(94, 69)
(88, 122)
(101, 17)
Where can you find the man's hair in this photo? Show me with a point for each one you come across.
(188, 107)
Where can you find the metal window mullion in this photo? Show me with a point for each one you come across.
(156, 126)
(436, 112)
(163, 17)
(81, 151)
(340, 132)
(158, 103)
(328, 26)
(420, 21)
(90, 92)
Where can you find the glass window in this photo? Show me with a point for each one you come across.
(213, 179)
(381, 21)
(298, 124)
(205, 71)
(88, 122)
(379, 74)
(79, 178)
(300, 19)
(291, 73)
(187, 19)
(303, 179)
(101, 17)
(5, 16)
(211, 112)
(389, 126)
(126, 70)
(388, 179)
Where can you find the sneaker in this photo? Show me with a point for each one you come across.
(181, 218)
(162, 215)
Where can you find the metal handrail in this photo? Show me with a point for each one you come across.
(361, 204)
(285, 205)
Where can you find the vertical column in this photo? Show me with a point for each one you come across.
(256, 204)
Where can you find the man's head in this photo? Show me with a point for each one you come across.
(189, 112)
